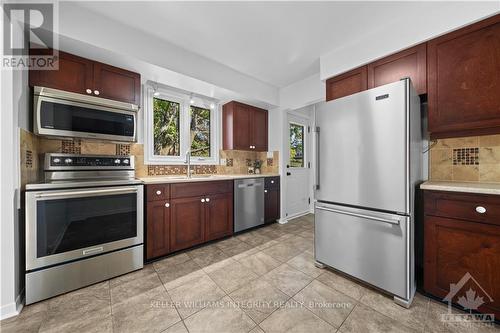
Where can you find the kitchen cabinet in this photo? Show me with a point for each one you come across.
(244, 127)
(347, 84)
(462, 235)
(188, 218)
(88, 77)
(410, 63)
(272, 199)
(182, 215)
(464, 81)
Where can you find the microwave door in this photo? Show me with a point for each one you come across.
(72, 224)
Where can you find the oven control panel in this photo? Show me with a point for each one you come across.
(68, 161)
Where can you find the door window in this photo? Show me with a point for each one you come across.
(296, 146)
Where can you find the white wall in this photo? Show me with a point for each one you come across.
(302, 93)
(424, 24)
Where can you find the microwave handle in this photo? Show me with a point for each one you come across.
(76, 194)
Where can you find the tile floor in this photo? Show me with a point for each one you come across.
(261, 281)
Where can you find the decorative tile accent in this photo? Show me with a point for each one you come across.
(122, 149)
(466, 156)
(164, 170)
(229, 162)
(29, 159)
(270, 162)
(205, 169)
(72, 146)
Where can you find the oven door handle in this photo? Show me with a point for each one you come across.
(76, 194)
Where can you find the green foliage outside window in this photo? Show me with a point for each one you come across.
(200, 132)
(166, 127)
(296, 146)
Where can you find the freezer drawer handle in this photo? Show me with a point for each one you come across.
(396, 222)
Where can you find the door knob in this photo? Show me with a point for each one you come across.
(288, 173)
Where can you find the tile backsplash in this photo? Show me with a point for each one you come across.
(33, 147)
(475, 159)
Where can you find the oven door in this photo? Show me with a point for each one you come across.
(66, 225)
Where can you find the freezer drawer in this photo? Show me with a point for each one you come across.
(371, 246)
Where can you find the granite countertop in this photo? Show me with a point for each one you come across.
(199, 178)
(467, 187)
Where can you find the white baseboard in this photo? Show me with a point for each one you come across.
(12, 309)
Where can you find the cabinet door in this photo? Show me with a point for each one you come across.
(272, 205)
(187, 226)
(157, 229)
(117, 84)
(346, 84)
(242, 118)
(74, 74)
(407, 63)
(452, 249)
(463, 80)
(259, 129)
(219, 216)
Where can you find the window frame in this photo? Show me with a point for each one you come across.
(184, 127)
(304, 138)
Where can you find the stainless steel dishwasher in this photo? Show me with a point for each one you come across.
(248, 203)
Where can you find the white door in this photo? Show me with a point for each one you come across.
(297, 167)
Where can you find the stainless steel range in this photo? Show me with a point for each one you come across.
(84, 224)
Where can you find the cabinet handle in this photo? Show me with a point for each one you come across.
(480, 209)
(96, 92)
(158, 192)
(202, 200)
(207, 199)
(167, 205)
(89, 91)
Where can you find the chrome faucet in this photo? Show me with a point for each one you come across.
(188, 162)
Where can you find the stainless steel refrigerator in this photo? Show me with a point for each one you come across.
(369, 152)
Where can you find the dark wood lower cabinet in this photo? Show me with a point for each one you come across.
(187, 224)
(455, 247)
(219, 216)
(157, 229)
(272, 198)
(177, 219)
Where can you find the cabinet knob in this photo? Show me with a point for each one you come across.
(167, 205)
(480, 209)
(158, 192)
(207, 199)
(272, 181)
(265, 191)
(96, 92)
(202, 200)
(250, 147)
(89, 91)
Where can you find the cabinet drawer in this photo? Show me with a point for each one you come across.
(472, 207)
(272, 182)
(157, 192)
(184, 190)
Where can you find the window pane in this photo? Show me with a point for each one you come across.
(296, 146)
(200, 132)
(166, 127)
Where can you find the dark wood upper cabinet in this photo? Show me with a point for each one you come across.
(410, 63)
(74, 74)
(157, 229)
(464, 81)
(244, 127)
(117, 84)
(347, 84)
(459, 240)
(219, 216)
(88, 77)
(187, 222)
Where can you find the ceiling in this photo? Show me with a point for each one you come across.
(278, 43)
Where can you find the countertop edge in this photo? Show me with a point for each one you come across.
(166, 180)
(476, 188)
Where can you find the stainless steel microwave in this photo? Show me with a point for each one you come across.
(65, 114)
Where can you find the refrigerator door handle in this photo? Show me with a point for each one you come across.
(379, 219)
(318, 164)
